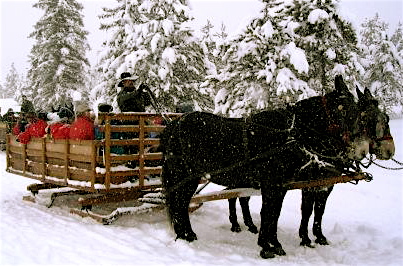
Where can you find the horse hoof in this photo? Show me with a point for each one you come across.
(189, 237)
(266, 254)
(306, 243)
(278, 251)
(253, 229)
(236, 229)
(322, 241)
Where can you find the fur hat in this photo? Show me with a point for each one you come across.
(65, 113)
(82, 108)
(126, 76)
(105, 108)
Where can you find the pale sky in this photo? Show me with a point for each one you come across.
(18, 18)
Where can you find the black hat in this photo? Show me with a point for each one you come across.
(105, 108)
(65, 112)
(43, 115)
(125, 76)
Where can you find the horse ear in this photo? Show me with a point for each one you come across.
(367, 93)
(340, 85)
(338, 80)
(359, 93)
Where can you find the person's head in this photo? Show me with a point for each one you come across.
(105, 108)
(31, 117)
(65, 114)
(126, 80)
(83, 109)
(43, 115)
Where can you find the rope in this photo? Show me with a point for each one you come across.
(372, 161)
(157, 106)
(396, 161)
(388, 168)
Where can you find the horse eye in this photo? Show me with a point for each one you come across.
(340, 107)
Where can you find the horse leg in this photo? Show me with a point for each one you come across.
(306, 212)
(232, 216)
(272, 200)
(247, 218)
(320, 205)
(179, 190)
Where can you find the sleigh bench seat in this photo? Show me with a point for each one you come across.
(89, 164)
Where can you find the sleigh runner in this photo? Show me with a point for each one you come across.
(89, 168)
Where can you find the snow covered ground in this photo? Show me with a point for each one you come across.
(364, 224)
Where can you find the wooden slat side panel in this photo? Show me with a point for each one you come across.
(81, 148)
(55, 147)
(80, 158)
(34, 144)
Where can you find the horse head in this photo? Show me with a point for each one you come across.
(376, 125)
(343, 114)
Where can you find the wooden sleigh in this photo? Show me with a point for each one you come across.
(89, 169)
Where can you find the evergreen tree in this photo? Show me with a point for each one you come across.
(397, 39)
(150, 41)
(58, 61)
(292, 51)
(384, 63)
(12, 84)
(330, 43)
(113, 49)
(213, 43)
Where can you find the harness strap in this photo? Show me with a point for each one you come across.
(245, 139)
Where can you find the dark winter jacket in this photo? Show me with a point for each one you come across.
(133, 100)
(36, 129)
(82, 128)
(27, 106)
(20, 126)
(10, 119)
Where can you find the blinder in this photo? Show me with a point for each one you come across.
(378, 133)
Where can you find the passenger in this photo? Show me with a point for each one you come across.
(106, 108)
(27, 109)
(61, 129)
(10, 119)
(26, 105)
(131, 99)
(157, 121)
(21, 124)
(36, 128)
(83, 127)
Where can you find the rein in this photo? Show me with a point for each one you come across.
(314, 156)
(155, 103)
(290, 140)
(372, 161)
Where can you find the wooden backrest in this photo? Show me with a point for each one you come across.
(90, 163)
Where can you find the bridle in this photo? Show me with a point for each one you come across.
(373, 136)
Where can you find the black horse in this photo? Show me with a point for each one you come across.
(317, 137)
(376, 125)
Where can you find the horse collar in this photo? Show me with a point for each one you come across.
(334, 127)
